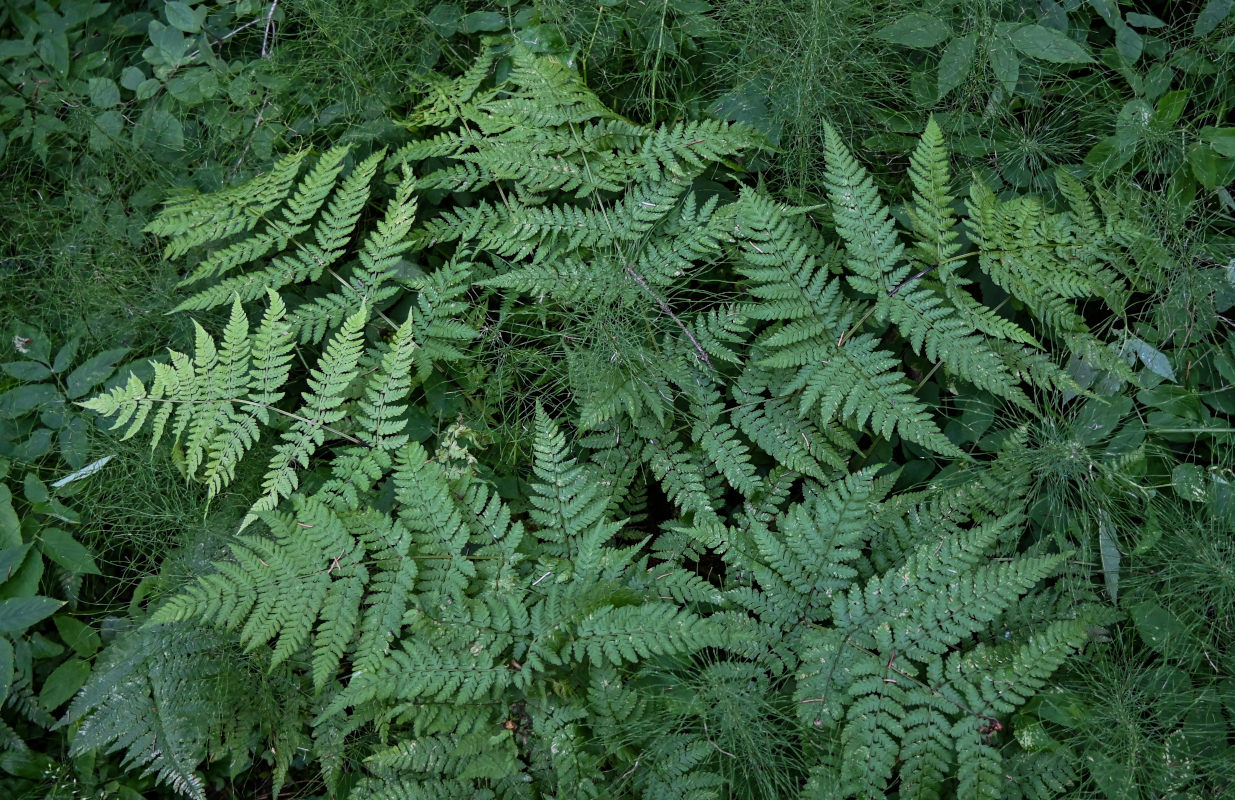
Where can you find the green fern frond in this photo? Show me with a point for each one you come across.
(922, 315)
(293, 222)
(310, 259)
(197, 219)
(160, 696)
(319, 410)
(862, 221)
(565, 500)
(931, 214)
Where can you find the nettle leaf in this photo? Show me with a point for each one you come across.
(1048, 44)
(917, 30)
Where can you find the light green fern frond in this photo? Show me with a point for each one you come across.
(321, 408)
(923, 316)
(196, 219)
(309, 259)
(218, 401)
(832, 377)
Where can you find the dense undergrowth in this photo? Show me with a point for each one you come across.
(640, 398)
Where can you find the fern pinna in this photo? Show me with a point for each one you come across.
(559, 419)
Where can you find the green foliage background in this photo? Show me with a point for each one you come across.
(638, 398)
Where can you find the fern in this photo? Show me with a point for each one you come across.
(477, 596)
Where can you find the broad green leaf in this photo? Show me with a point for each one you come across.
(1143, 20)
(1153, 359)
(956, 63)
(1106, 9)
(1108, 548)
(1005, 63)
(103, 93)
(193, 86)
(1211, 17)
(19, 613)
(24, 399)
(157, 128)
(482, 21)
(1133, 121)
(748, 104)
(74, 441)
(171, 44)
(26, 370)
(1189, 482)
(444, 19)
(182, 17)
(78, 635)
(35, 447)
(131, 78)
(1157, 626)
(93, 371)
(148, 88)
(14, 49)
(11, 558)
(24, 581)
(10, 525)
(1189, 60)
(1170, 108)
(1099, 418)
(1222, 140)
(60, 546)
(1158, 80)
(1129, 44)
(1207, 166)
(1174, 400)
(35, 489)
(29, 764)
(6, 669)
(1112, 776)
(1047, 44)
(53, 48)
(63, 683)
(916, 30)
(108, 126)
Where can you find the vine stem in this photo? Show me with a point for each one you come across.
(269, 32)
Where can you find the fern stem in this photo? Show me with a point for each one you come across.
(362, 298)
(847, 335)
(664, 306)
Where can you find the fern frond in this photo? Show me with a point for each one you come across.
(319, 410)
(152, 696)
(931, 214)
(330, 237)
(921, 315)
(862, 221)
(197, 219)
(292, 223)
(565, 500)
